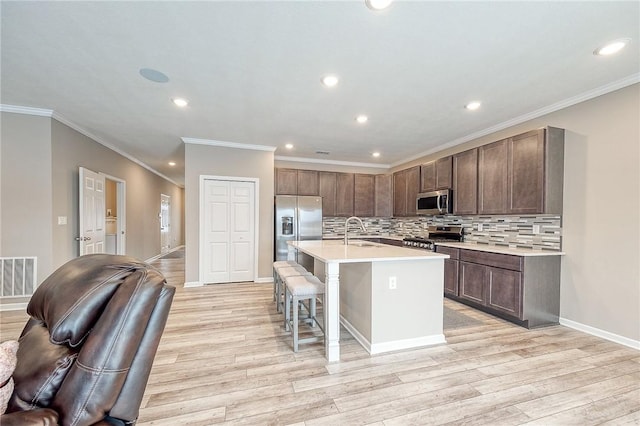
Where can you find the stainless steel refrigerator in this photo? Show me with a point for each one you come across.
(298, 218)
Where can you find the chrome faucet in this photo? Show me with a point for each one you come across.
(346, 228)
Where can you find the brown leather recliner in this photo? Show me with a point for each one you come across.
(86, 352)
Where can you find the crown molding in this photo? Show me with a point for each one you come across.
(102, 142)
(334, 162)
(56, 116)
(225, 144)
(574, 100)
(16, 109)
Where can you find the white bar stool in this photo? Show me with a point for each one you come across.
(280, 264)
(282, 273)
(297, 289)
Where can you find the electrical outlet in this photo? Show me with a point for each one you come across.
(536, 229)
(62, 220)
(480, 227)
(393, 283)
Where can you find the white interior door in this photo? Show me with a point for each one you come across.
(228, 222)
(92, 212)
(165, 223)
(216, 232)
(241, 203)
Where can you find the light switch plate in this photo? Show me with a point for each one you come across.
(62, 220)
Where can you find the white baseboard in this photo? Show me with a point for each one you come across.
(193, 284)
(13, 306)
(356, 334)
(158, 256)
(263, 280)
(395, 345)
(634, 344)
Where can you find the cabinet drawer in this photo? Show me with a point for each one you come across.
(453, 253)
(497, 260)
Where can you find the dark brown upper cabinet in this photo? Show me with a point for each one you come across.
(522, 174)
(413, 189)
(493, 177)
(400, 193)
(436, 175)
(465, 182)
(296, 182)
(327, 190)
(526, 162)
(406, 187)
(307, 182)
(364, 195)
(383, 196)
(286, 182)
(344, 194)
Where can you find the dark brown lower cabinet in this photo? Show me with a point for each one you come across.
(472, 283)
(450, 270)
(504, 292)
(521, 289)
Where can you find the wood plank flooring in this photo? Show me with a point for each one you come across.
(225, 359)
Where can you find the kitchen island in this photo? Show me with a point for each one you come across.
(389, 298)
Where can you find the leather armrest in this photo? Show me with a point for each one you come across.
(35, 417)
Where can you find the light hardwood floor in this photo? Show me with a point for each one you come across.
(225, 358)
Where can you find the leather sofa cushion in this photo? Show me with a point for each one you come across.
(42, 366)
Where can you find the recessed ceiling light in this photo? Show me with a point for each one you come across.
(473, 105)
(377, 4)
(180, 102)
(289, 146)
(330, 80)
(153, 75)
(172, 163)
(376, 154)
(612, 47)
(362, 119)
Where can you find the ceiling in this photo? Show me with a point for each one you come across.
(251, 71)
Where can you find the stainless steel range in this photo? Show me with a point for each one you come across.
(435, 234)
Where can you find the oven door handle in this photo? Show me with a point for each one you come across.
(438, 204)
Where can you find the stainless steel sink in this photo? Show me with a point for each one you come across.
(363, 244)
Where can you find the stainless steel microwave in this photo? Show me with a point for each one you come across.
(434, 203)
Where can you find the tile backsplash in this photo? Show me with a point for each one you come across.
(542, 232)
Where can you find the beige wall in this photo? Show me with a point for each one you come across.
(26, 189)
(71, 150)
(600, 284)
(221, 161)
(40, 159)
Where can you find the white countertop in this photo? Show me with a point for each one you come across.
(336, 251)
(502, 250)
